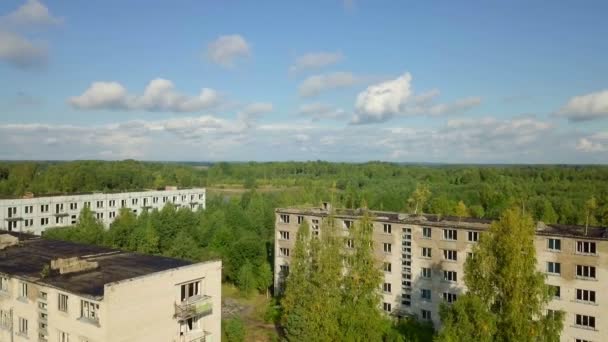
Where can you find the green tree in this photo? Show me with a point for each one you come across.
(360, 316)
(264, 278)
(235, 330)
(548, 213)
(461, 210)
(246, 278)
(419, 197)
(590, 207)
(506, 294)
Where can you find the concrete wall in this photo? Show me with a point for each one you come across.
(191, 198)
(142, 309)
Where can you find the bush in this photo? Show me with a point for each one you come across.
(235, 330)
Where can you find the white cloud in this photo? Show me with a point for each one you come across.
(225, 50)
(380, 102)
(20, 52)
(33, 12)
(314, 85)
(159, 95)
(586, 107)
(315, 60)
(253, 111)
(587, 145)
(318, 111)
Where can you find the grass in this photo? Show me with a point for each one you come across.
(252, 311)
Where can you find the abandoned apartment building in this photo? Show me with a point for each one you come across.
(423, 256)
(36, 214)
(68, 292)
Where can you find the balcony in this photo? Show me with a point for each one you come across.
(196, 336)
(194, 306)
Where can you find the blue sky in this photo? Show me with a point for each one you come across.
(456, 82)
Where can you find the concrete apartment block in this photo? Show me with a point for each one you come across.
(36, 214)
(60, 291)
(423, 260)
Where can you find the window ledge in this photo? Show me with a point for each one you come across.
(553, 274)
(583, 327)
(584, 302)
(5, 293)
(586, 278)
(22, 335)
(586, 254)
(23, 299)
(89, 321)
(553, 250)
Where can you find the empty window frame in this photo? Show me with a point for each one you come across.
(284, 252)
(89, 310)
(426, 315)
(450, 254)
(426, 232)
(284, 218)
(387, 247)
(556, 290)
(426, 272)
(189, 290)
(348, 224)
(386, 287)
(585, 321)
(450, 276)
(586, 247)
(387, 267)
(426, 252)
(284, 235)
(387, 307)
(449, 297)
(425, 294)
(554, 268)
(450, 234)
(473, 236)
(387, 228)
(554, 244)
(300, 219)
(586, 272)
(585, 295)
(62, 302)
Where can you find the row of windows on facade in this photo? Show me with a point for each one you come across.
(448, 234)
(59, 207)
(23, 328)
(426, 252)
(582, 271)
(88, 309)
(581, 295)
(581, 247)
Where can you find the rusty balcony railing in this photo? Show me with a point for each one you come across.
(194, 306)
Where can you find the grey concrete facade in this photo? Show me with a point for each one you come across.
(423, 261)
(34, 215)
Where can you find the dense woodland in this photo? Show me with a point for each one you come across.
(553, 194)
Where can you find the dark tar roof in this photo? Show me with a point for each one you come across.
(28, 258)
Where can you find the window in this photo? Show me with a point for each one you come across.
(23, 290)
(64, 337)
(406, 299)
(350, 243)
(300, 219)
(387, 228)
(284, 235)
(112, 203)
(284, 218)
(425, 294)
(554, 244)
(348, 224)
(284, 270)
(585, 321)
(22, 326)
(583, 271)
(44, 208)
(59, 207)
(426, 232)
(388, 247)
(29, 222)
(112, 214)
(426, 315)
(284, 252)
(449, 276)
(585, 295)
(4, 284)
(191, 324)
(585, 247)
(386, 307)
(450, 234)
(449, 254)
(426, 272)
(554, 268)
(44, 221)
(582, 340)
(386, 287)
(426, 252)
(29, 209)
(73, 206)
(123, 203)
(473, 236)
(189, 290)
(89, 310)
(449, 297)
(62, 302)
(556, 290)
(387, 266)
(87, 204)
(315, 224)
(100, 216)
(5, 318)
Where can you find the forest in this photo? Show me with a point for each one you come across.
(551, 193)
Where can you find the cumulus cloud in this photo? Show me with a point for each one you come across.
(20, 52)
(32, 13)
(315, 60)
(315, 85)
(225, 50)
(319, 111)
(594, 143)
(586, 107)
(380, 102)
(160, 95)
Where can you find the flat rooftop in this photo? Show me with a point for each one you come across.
(593, 232)
(114, 192)
(32, 254)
